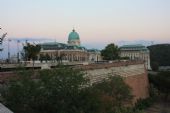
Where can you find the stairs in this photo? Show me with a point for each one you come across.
(97, 75)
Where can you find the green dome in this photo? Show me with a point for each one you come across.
(73, 36)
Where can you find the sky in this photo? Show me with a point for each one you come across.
(98, 22)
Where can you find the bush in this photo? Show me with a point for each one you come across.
(161, 82)
(155, 66)
(143, 103)
(64, 90)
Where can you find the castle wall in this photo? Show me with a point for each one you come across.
(139, 85)
(134, 74)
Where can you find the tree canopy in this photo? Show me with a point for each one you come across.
(31, 51)
(110, 52)
(64, 90)
(161, 81)
(160, 54)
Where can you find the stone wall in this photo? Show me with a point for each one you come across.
(139, 85)
(4, 109)
(134, 74)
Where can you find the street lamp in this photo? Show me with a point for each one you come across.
(9, 40)
(18, 50)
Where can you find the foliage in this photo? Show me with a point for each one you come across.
(42, 57)
(110, 52)
(160, 53)
(155, 66)
(31, 51)
(162, 82)
(144, 103)
(59, 58)
(153, 92)
(127, 110)
(55, 91)
(113, 94)
(124, 58)
(116, 89)
(64, 90)
(45, 57)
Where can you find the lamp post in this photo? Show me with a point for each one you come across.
(9, 40)
(18, 50)
(0, 45)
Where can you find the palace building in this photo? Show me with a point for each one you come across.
(136, 52)
(71, 52)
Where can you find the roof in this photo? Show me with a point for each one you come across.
(73, 35)
(52, 43)
(136, 47)
(59, 46)
(93, 50)
(133, 46)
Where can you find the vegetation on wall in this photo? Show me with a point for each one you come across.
(65, 90)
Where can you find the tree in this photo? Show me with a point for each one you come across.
(155, 66)
(160, 53)
(47, 57)
(111, 52)
(162, 82)
(64, 90)
(31, 51)
(51, 91)
(41, 58)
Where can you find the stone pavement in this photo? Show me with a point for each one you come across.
(4, 109)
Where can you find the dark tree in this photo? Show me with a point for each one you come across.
(160, 54)
(41, 58)
(162, 82)
(110, 52)
(31, 51)
(64, 90)
(155, 66)
(47, 57)
(48, 91)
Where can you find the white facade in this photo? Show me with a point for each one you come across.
(74, 42)
(94, 55)
(72, 51)
(136, 52)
